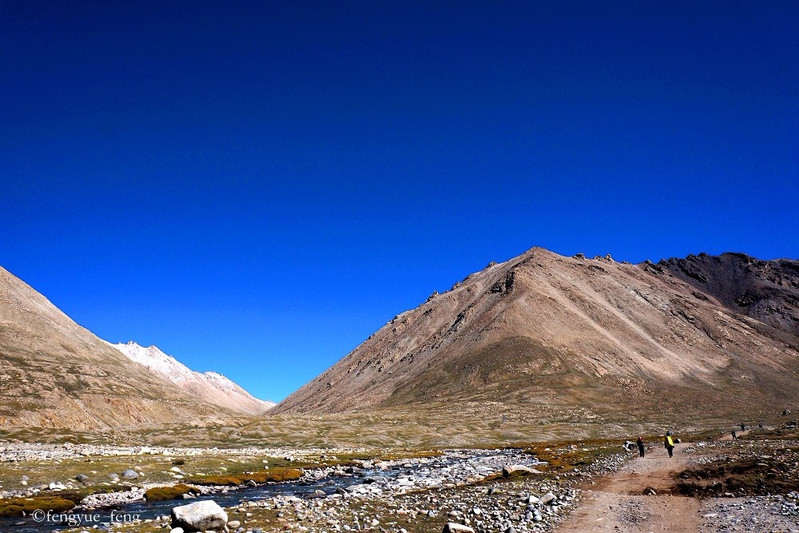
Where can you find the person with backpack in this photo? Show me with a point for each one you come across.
(669, 443)
(640, 443)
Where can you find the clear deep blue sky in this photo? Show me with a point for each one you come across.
(256, 187)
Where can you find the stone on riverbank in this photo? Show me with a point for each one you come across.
(199, 516)
(452, 527)
(517, 470)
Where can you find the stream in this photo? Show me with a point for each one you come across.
(452, 467)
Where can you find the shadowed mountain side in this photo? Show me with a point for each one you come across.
(55, 373)
(542, 331)
(765, 290)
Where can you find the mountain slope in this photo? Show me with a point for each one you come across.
(210, 387)
(55, 373)
(571, 335)
(765, 290)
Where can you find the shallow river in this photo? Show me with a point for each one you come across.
(451, 467)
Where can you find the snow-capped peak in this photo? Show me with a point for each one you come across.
(209, 386)
(157, 361)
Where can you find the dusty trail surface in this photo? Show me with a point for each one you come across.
(619, 502)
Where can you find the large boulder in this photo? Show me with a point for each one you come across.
(199, 516)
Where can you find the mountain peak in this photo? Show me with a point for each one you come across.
(559, 333)
(210, 386)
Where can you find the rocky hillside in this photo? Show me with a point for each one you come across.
(583, 338)
(55, 373)
(210, 387)
(765, 290)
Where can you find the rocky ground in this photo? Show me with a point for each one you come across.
(487, 489)
(713, 485)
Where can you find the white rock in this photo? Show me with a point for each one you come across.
(199, 516)
(548, 498)
(452, 527)
(517, 470)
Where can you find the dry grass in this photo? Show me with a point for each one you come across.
(434, 426)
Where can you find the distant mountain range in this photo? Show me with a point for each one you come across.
(539, 337)
(55, 373)
(212, 387)
(569, 338)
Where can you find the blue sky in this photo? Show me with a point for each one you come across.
(256, 187)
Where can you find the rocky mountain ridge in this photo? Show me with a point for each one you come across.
(765, 290)
(568, 334)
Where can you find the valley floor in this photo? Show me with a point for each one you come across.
(713, 485)
(717, 487)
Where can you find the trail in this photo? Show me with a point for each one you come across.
(738, 433)
(617, 502)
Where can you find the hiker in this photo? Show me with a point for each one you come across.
(743, 426)
(734, 436)
(669, 443)
(640, 443)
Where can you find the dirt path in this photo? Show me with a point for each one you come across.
(617, 502)
(738, 433)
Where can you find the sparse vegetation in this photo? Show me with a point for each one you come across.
(763, 462)
(20, 506)
(562, 457)
(157, 494)
(265, 476)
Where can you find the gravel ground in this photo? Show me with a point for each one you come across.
(759, 513)
(431, 495)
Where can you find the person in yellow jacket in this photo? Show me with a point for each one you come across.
(669, 443)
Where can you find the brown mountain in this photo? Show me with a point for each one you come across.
(765, 290)
(573, 338)
(55, 373)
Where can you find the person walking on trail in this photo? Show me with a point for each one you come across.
(640, 443)
(669, 443)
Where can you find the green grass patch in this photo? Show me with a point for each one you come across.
(20, 506)
(274, 475)
(565, 456)
(157, 494)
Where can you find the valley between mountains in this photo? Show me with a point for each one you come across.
(561, 359)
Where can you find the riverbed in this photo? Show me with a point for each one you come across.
(371, 480)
